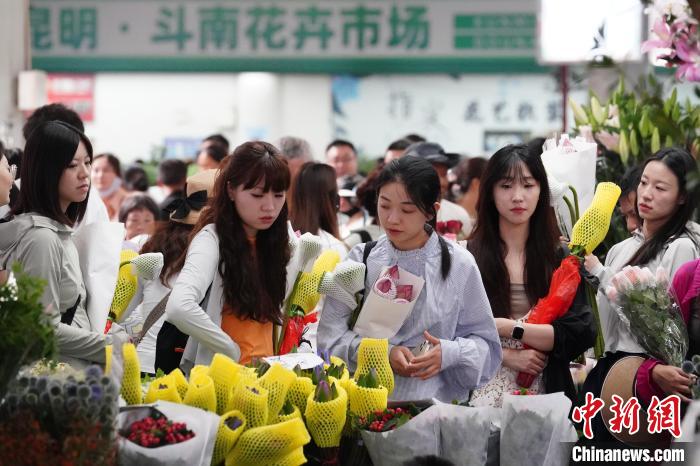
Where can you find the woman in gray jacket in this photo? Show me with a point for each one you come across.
(53, 198)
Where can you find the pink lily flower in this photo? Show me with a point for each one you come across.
(690, 68)
(663, 34)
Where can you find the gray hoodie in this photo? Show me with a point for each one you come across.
(45, 249)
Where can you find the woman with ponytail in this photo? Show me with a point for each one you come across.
(452, 311)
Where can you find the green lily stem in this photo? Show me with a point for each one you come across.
(599, 346)
(573, 191)
(572, 212)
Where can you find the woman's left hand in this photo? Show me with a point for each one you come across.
(430, 363)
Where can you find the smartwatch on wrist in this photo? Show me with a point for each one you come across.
(518, 331)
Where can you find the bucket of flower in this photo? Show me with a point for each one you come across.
(395, 435)
(166, 433)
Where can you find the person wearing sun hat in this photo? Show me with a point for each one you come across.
(441, 161)
(161, 345)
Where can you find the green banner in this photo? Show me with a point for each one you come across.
(339, 36)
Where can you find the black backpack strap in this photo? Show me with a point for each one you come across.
(365, 254)
(365, 237)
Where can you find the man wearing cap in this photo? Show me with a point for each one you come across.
(442, 162)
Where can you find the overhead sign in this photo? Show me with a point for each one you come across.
(291, 35)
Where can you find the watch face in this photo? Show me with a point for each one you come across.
(518, 333)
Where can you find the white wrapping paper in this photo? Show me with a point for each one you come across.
(99, 247)
(536, 430)
(382, 318)
(465, 432)
(575, 168)
(197, 450)
(418, 437)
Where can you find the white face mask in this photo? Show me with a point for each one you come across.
(116, 184)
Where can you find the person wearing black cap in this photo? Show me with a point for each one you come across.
(442, 162)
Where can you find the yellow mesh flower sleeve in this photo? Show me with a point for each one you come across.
(162, 389)
(224, 372)
(108, 359)
(299, 392)
(374, 352)
(591, 228)
(325, 420)
(364, 401)
(305, 295)
(201, 393)
(346, 374)
(180, 382)
(277, 381)
(246, 375)
(276, 444)
(288, 417)
(199, 369)
(126, 284)
(131, 380)
(226, 437)
(326, 262)
(251, 400)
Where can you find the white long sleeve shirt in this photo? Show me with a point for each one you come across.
(455, 310)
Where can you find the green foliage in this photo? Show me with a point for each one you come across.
(644, 122)
(26, 330)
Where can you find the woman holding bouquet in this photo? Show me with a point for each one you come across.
(452, 311)
(236, 263)
(666, 239)
(516, 246)
(53, 198)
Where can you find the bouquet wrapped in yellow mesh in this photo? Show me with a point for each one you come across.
(277, 444)
(251, 400)
(303, 294)
(199, 369)
(326, 412)
(201, 393)
(277, 381)
(131, 379)
(367, 396)
(299, 392)
(127, 282)
(180, 382)
(590, 230)
(231, 426)
(288, 412)
(224, 372)
(164, 389)
(374, 353)
(338, 365)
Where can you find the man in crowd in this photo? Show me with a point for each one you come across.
(342, 156)
(297, 151)
(442, 162)
(172, 176)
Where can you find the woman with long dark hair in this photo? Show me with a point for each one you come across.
(452, 310)
(54, 196)
(666, 239)
(236, 263)
(516, 246)
(158, 348)
(315, 206)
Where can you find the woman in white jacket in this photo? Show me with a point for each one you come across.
(236, 263)
(53, 198)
